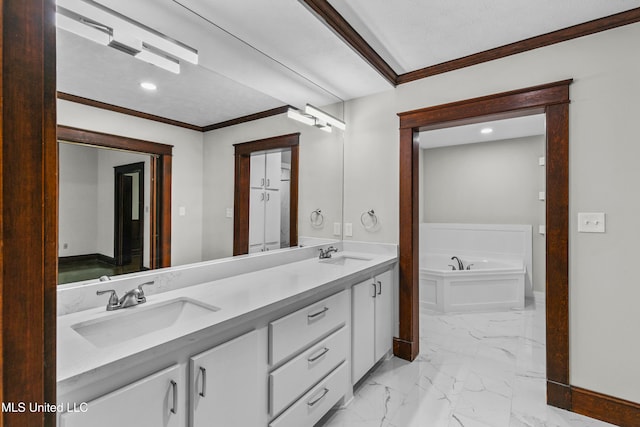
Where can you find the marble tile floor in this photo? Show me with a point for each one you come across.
(474, 370)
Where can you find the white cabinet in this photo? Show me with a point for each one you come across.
(264, 202)
(154, 401)
(372, 313)
(224, 384)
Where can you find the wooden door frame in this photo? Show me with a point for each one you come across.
(241, 192)
(123, 170)
(160, 204)
(553, 100)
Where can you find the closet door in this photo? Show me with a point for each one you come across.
(257, 171)
(256, 217)
(272, 217)
(273, 170)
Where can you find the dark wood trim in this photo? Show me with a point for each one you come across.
(123, 110)
(99, 139)
(565, 34)
(293, 195)
(559, 395)
(164, 212)
(553, 99)
(344, 30)
(611, 409)
(135, 113)
(28, 203)
(335, 21)
(242, 176)
(407, 345)
(160, 237)
(248, 118)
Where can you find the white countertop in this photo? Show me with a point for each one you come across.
(237, 297)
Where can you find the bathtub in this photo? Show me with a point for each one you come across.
(489, 284)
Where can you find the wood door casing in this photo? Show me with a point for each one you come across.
(242, 176)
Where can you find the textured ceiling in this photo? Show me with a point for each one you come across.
(255, 55)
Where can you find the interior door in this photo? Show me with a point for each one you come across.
(125, 219)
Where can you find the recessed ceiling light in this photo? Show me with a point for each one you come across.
(148, 86)
(486, 131)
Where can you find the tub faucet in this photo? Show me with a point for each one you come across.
(327, 253)
(460, 265)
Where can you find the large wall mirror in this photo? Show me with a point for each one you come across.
(110, 201)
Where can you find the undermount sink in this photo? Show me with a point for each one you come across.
(346, 260)
(134, 322)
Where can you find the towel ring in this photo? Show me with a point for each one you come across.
(369, 220)
(316, 218)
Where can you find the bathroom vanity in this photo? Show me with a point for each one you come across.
(278, 344)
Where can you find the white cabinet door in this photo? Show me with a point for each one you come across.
(256, 217)
(257, 171)
(273, 170)
(384, 314)
(155, 401)
(224, 384)
(363, 328)
(272, 217)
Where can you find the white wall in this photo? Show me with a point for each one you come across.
(604, 153)
(320, 178)
(107, 160)
(493, 182)
(78, 200)
(186, 231)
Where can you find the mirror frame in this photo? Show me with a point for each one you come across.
(160, 204)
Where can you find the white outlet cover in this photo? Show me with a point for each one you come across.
(229, 213)
(591, 222)
(348, 229)
(336, 229)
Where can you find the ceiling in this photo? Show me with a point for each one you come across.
(256, 55)
(518, 127)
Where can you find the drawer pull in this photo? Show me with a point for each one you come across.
(322, 353)
(314, 315)
(174, 387)
(318, 399)
(203, 390)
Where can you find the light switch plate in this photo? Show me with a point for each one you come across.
(336, 229)
(591, 222)
(229, 213)
(541, 161)
(348, 229)
(542, 229)
(541, 195)
(182, 211)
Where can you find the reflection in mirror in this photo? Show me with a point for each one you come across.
(104, 212)
(195, 111)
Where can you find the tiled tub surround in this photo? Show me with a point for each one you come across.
(473, 370)
(275, 285)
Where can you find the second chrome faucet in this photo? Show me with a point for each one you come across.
(130, 298)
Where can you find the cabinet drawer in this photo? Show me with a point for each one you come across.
(297, 376)
(295, 331)
(314, 404)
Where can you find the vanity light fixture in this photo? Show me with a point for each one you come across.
(486, 131)
(148, 86)
(102, 25)
(308, 119)
(325, 117)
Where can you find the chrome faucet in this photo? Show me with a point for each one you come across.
(324, 254)
(130, 298)
(460, 265)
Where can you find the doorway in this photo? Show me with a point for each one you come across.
(552, 100)
(129, 216)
